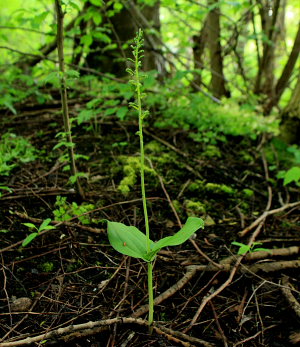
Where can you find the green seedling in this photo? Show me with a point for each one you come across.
(243, 249)
(44, 226)
(129, 240)
(65, 211)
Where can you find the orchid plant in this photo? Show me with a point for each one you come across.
(129, 240)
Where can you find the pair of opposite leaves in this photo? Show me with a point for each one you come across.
(131, 241)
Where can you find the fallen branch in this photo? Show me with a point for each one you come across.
(80, 330)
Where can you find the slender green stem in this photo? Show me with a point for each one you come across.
(150, 293)
(141, 115)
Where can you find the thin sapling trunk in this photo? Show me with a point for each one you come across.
(64, 96)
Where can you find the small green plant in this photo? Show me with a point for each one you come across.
(65, 211)
(129, 240)
(243, 249)
(44, 226)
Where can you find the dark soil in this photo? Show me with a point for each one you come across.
(72, 275)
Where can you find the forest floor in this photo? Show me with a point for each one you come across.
(207, 295)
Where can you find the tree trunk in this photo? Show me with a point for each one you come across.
(290, 126)
(264, 83)
(286, 74)
(124, 26)
(214, 44)
(199, 42)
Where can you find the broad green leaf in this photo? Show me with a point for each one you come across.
(29, 238)
(127, 240)
(191, 226)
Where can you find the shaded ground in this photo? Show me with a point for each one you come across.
(71, 275)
